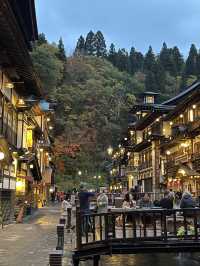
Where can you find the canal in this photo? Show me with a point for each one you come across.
(170, 259)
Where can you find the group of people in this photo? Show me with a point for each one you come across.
(170, 200)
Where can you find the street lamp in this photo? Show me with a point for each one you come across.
(79, 173)
(2, 156)
(110, 150)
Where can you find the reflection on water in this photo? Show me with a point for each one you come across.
(170, 259)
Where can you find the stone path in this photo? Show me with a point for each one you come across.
(29, 244)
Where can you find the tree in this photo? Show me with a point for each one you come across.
(90, 47)
(61, 51)
(80, 46)
(149, 60)
(48, 66)
(191, 62)
(166, 59)
(41, 39)
(112, 55)
(136, 60)
(100, 44)
(122, 62)
(178, 61)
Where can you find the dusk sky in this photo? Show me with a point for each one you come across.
(126, 23)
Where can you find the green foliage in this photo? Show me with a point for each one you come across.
(61, 51)
(100, 44)
(48, 66)
(80, 46)
(191, 62)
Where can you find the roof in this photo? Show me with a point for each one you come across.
(25, 14)
(183, 94)
(14, 52)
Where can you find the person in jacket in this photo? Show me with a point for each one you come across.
(145, 202)
(167, 201)
(187, 201)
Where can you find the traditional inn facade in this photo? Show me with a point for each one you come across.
(163, 143)
(26, 169)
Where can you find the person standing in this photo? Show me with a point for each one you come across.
(84, 197)
(102, 202)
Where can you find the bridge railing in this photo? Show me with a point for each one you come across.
(136, 226)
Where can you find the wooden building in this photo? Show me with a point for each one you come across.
(24, 125)
(164, 143)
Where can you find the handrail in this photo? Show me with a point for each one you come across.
(138, 225)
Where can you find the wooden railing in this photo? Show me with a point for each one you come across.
(140, 230)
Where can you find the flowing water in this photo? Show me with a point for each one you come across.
(170, 259)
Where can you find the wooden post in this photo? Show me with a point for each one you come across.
(78, 228)
(62, 221)
(69, 215)
(60, 234)
(55, 258)
(96, 260)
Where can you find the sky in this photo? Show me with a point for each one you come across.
(126, 23)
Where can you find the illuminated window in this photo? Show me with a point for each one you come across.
(191, 115)
(149, 99)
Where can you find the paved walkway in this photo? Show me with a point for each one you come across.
(29, 244)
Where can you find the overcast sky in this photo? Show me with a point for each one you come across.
(126, 23)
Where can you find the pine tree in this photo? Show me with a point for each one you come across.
(100, 44)
(136, 60)
(150, 81)
(122, 62)
(112, 55)
(80, 46)
(149, 60)
(90, 48)
(178, 61)
(41, 39)
(191, 62)
(166, 59)
(132, 60)
(61, 51)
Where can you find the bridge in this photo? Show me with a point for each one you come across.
(135, 231)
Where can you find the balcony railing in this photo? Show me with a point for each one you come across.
(145, 165)
(180, 130)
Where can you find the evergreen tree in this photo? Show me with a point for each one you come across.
(112, 55)
(122, 60)
(41, 39)
(166, 59)
(136, 60)
(61, 51)
(80, 46)
(149, 60)
(100, 44)
(150, 81)
(178, 61)
(191, 62)
(90, 47)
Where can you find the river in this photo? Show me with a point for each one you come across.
(170, 259)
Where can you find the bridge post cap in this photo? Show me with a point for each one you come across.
(56, 252)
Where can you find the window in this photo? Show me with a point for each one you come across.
(149, 99)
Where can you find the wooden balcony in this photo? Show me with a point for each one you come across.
(179, 131)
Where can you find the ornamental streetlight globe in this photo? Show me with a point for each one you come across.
(2, 156)
(79, 173)
(110, 150)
